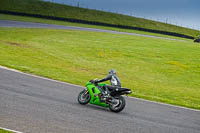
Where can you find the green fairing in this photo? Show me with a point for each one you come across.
(95, 99)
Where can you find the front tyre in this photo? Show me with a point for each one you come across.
(119, 105)
(84, 97)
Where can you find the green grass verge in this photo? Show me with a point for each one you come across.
(5, 131)
(46, 21)
(58, 10)
(155, 69)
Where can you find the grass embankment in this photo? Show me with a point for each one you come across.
(155, 69)
(5, 131)
(58, 10)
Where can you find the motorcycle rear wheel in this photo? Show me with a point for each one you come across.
(84, 97)
(119, 106)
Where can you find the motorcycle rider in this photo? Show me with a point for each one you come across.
(114, 80)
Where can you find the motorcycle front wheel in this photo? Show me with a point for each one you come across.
(84, 97)
(119, 105)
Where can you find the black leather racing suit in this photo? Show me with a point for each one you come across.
(114, 80)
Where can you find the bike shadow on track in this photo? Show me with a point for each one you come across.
(101, 109)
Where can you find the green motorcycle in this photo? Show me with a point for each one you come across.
(92, 94)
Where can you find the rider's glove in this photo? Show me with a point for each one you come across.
(93, 81)
(96, 81)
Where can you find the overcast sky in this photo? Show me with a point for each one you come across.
(179, 12)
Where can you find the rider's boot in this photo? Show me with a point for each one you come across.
(106, 96)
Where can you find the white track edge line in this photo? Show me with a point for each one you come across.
(10, 69)
(36, 76)
(10, 130)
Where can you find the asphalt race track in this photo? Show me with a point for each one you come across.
(35, 105)
(8, 23)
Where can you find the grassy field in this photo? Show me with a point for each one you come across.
(4, 131)
(58, 10)
(155, 69)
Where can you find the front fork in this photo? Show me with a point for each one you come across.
(86, 91)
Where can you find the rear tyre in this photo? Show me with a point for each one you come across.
(84, 97)
(119, 106)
